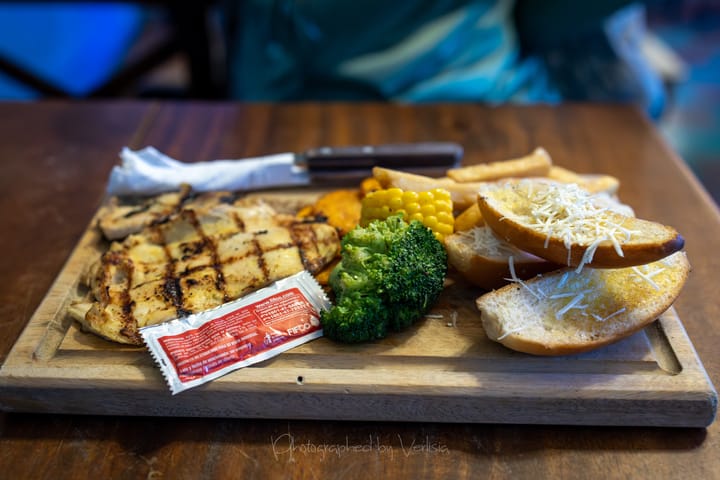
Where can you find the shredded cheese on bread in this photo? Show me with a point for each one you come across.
(482, 258)
(568, 311)
(565, 224)
(568, 212)
(484, 240)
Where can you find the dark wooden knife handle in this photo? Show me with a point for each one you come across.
(427, 156)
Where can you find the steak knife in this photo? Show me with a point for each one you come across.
(148, 171)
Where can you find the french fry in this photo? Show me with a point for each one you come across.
(463, 183)
(388, 178)
(597, 183)
(593, 183)
(469, 218)
(564, 175)
(537, 164)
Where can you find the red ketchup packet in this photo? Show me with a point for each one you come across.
(198, 348)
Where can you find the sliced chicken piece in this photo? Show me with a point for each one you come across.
(196, 260)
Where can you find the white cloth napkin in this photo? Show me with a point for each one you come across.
(149, 172)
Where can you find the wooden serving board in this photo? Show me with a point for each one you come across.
(444, 369)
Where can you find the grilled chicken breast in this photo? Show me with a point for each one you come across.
(196, 259)
(125, 216)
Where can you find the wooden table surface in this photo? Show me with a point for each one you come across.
(55, 159)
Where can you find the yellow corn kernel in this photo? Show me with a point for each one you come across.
(431, 222)
(410, 197)
(379, 197)
(428, 210)
(444, 229)
(433, 208)
(445, 217)
(441, 194)
(412, 207)
(416, 216)
(425, 198)
(443, 205)
(395, 203)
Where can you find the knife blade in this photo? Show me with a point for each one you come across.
(149, 172)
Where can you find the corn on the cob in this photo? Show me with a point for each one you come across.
(433, 208)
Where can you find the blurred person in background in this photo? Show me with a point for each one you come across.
(492, 51)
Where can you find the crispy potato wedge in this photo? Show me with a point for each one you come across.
(536, 164)
(469, 218)
(593, 183)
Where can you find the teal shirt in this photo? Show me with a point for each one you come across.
(418, 51)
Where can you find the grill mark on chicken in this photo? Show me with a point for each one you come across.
(313, 247)
(171, 290)
(173, 293)
(109, 260)
(307, 240)
(256, 251)
(140, 209)
(125, 216)
(126, 301)
(214, 256)
(238, 221)
(210, 198)
(124, 266)
(229, 198)
(298, 241)
(259, 255)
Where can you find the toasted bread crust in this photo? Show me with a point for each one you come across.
(535, 346)
(523, 319)
(491, 272)
(651, 242)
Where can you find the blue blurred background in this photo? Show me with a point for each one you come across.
(662, 55)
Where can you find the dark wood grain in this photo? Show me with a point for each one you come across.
(54, 159)
(54, 162)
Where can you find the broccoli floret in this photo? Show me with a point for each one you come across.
(356, 318)
(418, 265)
(390, 274)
